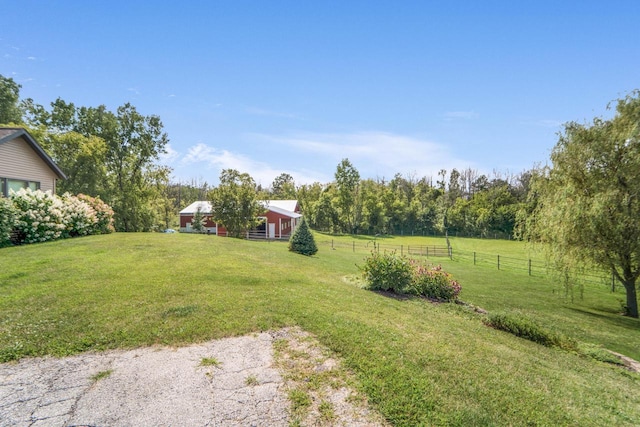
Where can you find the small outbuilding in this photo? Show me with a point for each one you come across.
(279, 219)
(24, 164)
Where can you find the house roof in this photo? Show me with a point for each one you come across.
(9, 134)
(272, 205)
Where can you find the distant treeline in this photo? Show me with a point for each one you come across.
(459, 202)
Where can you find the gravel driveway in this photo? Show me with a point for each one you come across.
(228, 382)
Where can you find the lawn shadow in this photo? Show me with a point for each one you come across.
(616, 319)
(395, 296)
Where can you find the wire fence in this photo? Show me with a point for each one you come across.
(528, 266)
(531, 267)
(428, 251)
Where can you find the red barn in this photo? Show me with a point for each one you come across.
(280, 219)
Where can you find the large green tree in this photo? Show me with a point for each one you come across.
(82, 158)
(587, 210)
(347, 184)
(111, 155)
(10, 111)
(235, 203)
(283, 187)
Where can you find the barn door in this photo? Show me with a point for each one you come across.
(272, 230)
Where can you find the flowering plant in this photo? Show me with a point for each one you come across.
(80, 218)
(433, 282)
(7, 221)
(103, 213)
(35, 216)
(40, 215)
(390, 272)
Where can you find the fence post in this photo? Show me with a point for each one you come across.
(331, 243)
(427, 251)
(450, 253)
(498, 262)
(474, 257)
(529, 266)
(401, 250)
(354, 246)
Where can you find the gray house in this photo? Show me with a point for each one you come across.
(24, 164)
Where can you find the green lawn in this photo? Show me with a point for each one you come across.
(419, 363)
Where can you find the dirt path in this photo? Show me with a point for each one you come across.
(228, 382)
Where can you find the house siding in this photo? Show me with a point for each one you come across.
(19, 161)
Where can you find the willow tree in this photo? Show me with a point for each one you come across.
(588, 209)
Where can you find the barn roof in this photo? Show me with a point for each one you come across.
(284, 207)
(205, 207)
(288, 213)
(287, 205)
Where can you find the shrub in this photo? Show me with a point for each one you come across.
(387, 272)
(40, 215)
(103, 212)
(7, 221)
(80, 218)
(302, 240)
(433, 282)
(524, 327)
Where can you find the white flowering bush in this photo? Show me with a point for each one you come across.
(40, 215)
(34, 216)
(7, 221)
(79, 217)
(103, 212)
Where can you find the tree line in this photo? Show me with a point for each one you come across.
(459, 203)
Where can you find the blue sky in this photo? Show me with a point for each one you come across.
(291, 86)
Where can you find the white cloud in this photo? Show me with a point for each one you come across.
(261, 172)
(170, 156)
(31, 58)
(376, 154)
(311, 157)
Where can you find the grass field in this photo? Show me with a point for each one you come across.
(418, 362)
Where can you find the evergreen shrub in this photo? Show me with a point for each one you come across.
(302, 240)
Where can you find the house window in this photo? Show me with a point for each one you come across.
(7, 184)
